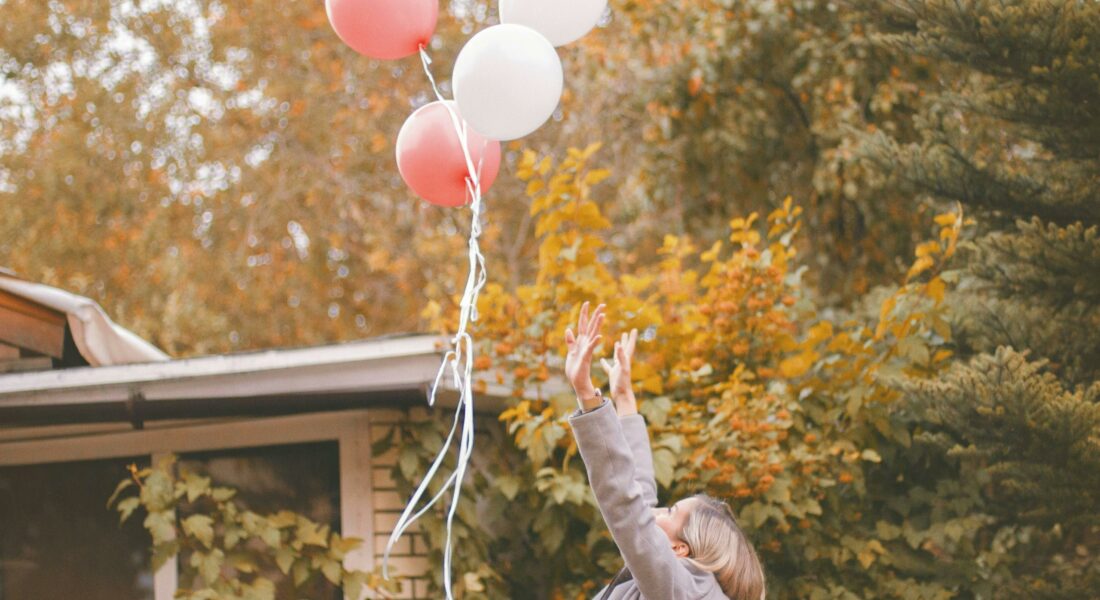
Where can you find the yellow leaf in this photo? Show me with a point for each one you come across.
(796, 366)
(535, 186)
(595, 176)
(928, 249)
(819, 332)
(869, 553)
(590, 150)
(712, 254)
(946, 219)
(936, 289)
(653, 385)
(921, 265)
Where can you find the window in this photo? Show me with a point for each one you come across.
(59, 540)
(304, 478)
(57, 534)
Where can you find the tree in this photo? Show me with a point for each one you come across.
(712, 110)
(1013, 430)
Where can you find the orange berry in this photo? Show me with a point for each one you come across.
(483, 362)
(846, 477)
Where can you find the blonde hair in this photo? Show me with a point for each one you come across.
(717, 545)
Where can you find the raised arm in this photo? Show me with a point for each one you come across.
(626, 405)
(603, 446)
(637, 438)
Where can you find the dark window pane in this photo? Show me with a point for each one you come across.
(58, 539)
(304, 478)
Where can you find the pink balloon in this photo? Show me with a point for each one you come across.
(430, 158)
(384, 29)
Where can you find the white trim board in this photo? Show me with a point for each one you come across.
(196, 377)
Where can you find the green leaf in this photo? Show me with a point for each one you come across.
(125, 483)
(127, 507)
(201, 527)
(242, 562)
(311, 533)
(508, 486)
(664, 463)
(409, 462)
(157, 493)
(271, 536)
(353, 584)
(284, 559)
(331, 569)
(161, 525)
(210, 566)
(915, 350)
(260, 589)
(196, 486)
(221, 494)
(300, 572)
(341, 546)
(655, 410)
(164, 551)
(283, 518)
(233, 536)
(871, 455)
(252, 522)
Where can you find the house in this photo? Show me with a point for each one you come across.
(81, 398)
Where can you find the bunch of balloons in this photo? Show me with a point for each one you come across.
(507, 82)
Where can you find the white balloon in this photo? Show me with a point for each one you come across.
(561, 21)
(507, 81)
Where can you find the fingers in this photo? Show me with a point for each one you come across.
(595, 322)
(606, 366)
(569, 338)
(632, 342)
(622, 356)
(590, 347)
(582, 320)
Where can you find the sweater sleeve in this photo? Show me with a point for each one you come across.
(657, 571)
(638, 437)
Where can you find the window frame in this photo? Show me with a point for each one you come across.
(350, 429)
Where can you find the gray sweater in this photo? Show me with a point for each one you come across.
(617, 456)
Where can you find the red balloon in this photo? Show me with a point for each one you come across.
(430, 158)
(384, 29)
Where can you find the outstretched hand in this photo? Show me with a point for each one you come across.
(618, 373)
(578, 358)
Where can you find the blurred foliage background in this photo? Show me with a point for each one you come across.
(861, 238)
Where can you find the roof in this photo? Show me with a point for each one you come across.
(99, 340)
(390, 370)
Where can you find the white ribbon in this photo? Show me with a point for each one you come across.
(461, 360)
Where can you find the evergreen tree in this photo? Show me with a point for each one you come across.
(1010, 440)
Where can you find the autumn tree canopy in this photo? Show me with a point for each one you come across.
(860, 240)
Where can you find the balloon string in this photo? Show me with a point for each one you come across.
(460, 359)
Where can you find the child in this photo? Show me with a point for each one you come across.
(692, 550)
